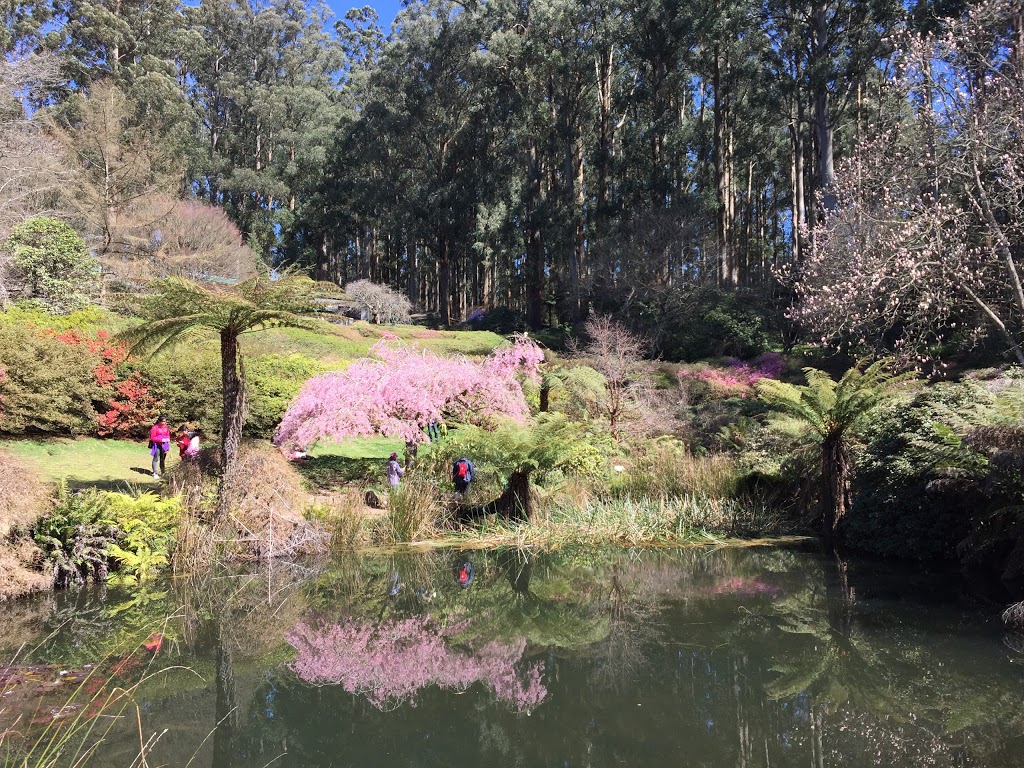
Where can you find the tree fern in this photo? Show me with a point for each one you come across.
(835, 412)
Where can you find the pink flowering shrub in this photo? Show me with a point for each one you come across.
(735, 378)
(388, 662)
(399, 390)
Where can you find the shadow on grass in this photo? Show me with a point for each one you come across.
(329, 473)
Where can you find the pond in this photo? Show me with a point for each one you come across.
(702, 657)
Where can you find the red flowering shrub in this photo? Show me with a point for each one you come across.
(133, 407)
(131, 404)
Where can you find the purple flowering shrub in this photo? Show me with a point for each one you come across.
(388, 662)
(735, 378)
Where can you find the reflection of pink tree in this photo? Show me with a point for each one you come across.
(390, 661)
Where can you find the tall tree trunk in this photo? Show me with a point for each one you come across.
(233, 388)
(534, 241)
(823, 130)
(723, 173)
(835, 475)
(444, 306)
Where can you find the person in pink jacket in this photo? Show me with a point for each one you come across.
(159, 445)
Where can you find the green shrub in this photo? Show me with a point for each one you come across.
(88, 319)
(550, 448)
(49, 385)
(188, 381)
(913, 446)
(273, 381)
(52, 263)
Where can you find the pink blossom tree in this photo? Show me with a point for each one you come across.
(399, 390)
(390, 661)
(923, 244)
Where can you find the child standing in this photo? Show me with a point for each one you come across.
(394, 470)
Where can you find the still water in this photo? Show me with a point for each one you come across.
(712, 658)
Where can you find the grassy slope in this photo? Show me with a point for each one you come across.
(333, 344)
(88, 461)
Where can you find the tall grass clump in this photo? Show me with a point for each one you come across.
(681, 520)
(264, 503)
(415, 511)
(668, 469)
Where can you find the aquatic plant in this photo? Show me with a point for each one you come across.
(390, 661)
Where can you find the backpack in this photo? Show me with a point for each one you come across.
(461, 470)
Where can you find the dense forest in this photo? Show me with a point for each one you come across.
(659, 160)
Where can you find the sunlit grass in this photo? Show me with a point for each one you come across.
(115, 465)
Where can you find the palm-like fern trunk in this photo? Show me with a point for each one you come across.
(233, 386)
(835, 476)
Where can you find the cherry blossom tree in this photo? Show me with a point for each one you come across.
(923, 244)
(390, 661)
(399, 390)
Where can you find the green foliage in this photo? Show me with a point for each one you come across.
(576, 391)
(666, 468)
(99, 535)
(914, 478)
(188, 381)
(550, 448)
(51, 259)
(49, 385)
(694, 324)
(273, 381)
(830, 408)
(88, 319)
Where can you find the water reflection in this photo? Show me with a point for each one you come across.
(709, 658)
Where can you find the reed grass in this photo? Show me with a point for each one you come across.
(683, 520)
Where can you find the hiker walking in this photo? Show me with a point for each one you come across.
(159, 445)
(434, 431)
(394, 470)
(462, 475)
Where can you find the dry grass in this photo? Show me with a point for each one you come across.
(415, 511)
(267, 503)
(267, 518)
(670, 470)
(24, 498)
(18, 564)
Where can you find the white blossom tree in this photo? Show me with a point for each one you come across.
(925, 243)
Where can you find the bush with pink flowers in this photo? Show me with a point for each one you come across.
(735, 378)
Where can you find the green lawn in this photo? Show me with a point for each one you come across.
(115, 465)
(332, 344)
(362, 459)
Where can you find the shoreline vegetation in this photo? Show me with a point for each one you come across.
(718, 453)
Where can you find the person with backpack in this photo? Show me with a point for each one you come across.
(394, 470)
(159, 445)
(462, 475)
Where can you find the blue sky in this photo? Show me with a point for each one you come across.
(386, 9)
